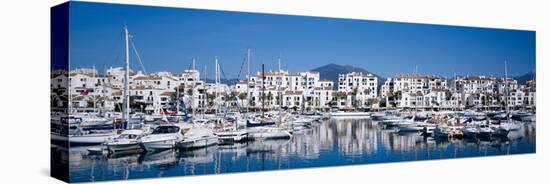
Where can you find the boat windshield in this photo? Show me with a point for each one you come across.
(166, 130)
(128, 136)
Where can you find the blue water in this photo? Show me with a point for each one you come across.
(331, 143)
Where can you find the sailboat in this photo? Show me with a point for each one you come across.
(235, 134)
(264, 128)
(197, 137)
(506, 125)
(86, 135)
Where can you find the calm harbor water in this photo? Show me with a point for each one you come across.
(330, 143)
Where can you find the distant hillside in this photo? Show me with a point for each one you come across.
(525, 77)
(331, 71)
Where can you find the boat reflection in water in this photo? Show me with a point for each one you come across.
(330, 143)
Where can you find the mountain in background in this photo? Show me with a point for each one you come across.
(525, 77)
(331, 71)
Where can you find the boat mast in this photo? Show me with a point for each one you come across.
(95, 81)
(104, 89)
(220, 101)
(456, 89)
(216, 83)
(248, 81)
(193, 90)
(506, 86)
(280, 95)
(263, 90)
(279, 62)
(126, 109)
(205, 99)
(178, 99)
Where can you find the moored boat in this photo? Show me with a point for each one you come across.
(442, 131)
(197, 138)
(470, 131)
(268, 132)
(127, 140)
(345, 114)
(163, 137)
(232, 136)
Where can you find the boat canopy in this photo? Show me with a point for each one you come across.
(166, 129)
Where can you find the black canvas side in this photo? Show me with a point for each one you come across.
(59, 58)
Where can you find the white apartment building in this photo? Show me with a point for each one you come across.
(412, 83)
(155, 81)
(362, 87)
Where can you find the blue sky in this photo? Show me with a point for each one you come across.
(167, 39)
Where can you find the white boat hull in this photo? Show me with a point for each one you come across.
(59, 138)
(159, 144)
(90, 138)
(269, 134)
(232, 137)
(410, 128)
(114, 147)
(198, 143)
(357, 114)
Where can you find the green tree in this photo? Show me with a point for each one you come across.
(242, 96)
(269, 96)
(210, 99)
(279, 99)
(354, 102)
(173, 96)
(372, 101)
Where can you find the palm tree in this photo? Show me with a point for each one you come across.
(228, 97)
(190, 92)
(210, 99)
(354, 101)
(242, 96)
(434, 101)
(279, 99)
(372, 101)
(174, 96)
(269, 98)
(367, 91)
(340, 95)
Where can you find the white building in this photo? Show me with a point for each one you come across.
(412, 83)
(362, 87)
